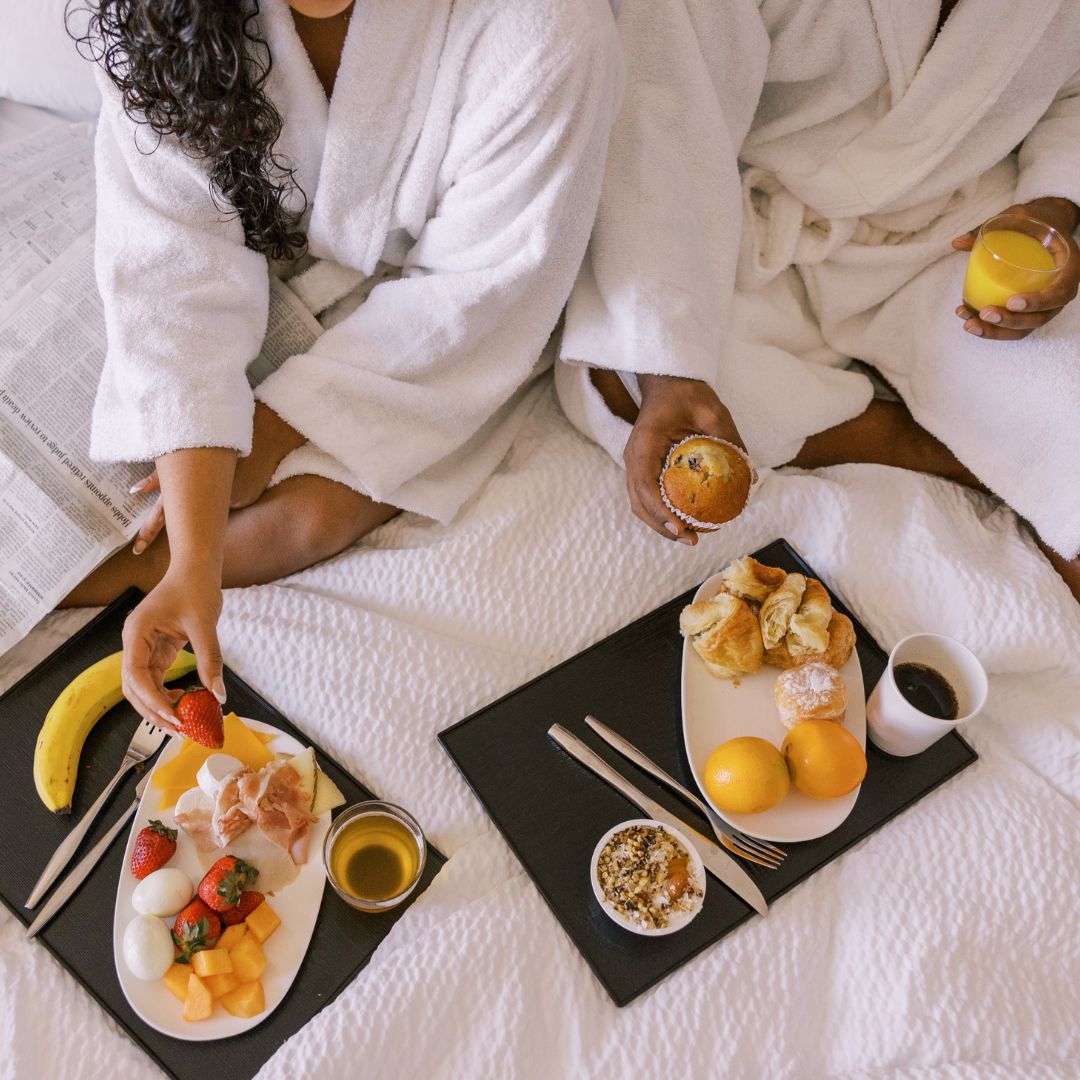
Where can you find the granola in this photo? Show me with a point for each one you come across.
(647, 876)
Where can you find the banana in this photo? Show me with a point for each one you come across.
(82, 703)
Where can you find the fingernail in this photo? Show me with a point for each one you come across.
(687, 540)
(989, 315)
(141, 485)
(671, 528)
(976, 330)
(167, 717)
(218, 690)
(1016, 303)
(138, 547)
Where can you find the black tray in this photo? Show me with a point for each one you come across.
(80, 937)
(552, 810)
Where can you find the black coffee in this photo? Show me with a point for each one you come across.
(926, 689)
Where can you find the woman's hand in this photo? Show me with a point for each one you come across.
(671, 409)
(182, 608)
(272, 438)
(1025, 312)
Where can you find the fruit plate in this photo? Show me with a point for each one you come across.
(297, 905)
(715, 710)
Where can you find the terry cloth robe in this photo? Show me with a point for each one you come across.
(463, 148)
(799, 214)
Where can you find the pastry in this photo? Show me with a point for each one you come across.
(812, 691)
(725, 634)
(809, 628)
(841, 644)
(706, 481)
(778, 608)
(751, 580)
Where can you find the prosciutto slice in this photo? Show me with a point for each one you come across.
(273, 799)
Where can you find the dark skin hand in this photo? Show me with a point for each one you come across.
(671, 409)
(1025, 312)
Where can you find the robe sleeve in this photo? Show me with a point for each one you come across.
(654, 293)
(185, 301)
(1050, 155)
(417, 369)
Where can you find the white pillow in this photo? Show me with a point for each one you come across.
(39, 63)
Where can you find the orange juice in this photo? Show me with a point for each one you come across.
(1002, 263)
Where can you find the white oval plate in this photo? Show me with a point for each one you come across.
(715, 710)
(297, 905)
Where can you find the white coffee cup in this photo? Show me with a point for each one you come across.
(895, 724)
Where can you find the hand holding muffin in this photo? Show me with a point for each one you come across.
(672, 409)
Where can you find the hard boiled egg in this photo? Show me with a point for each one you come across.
(148, 947)
(214, 771)
(164, 892)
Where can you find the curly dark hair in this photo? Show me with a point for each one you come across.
(195, 70)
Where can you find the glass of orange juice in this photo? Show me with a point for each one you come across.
(1013, 254)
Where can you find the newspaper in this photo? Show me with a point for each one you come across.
(62, 514)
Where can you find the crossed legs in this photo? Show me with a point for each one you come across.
(296, 524)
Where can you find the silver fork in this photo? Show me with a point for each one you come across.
(144, 742)
(746, 847)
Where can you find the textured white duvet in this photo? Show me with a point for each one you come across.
(947, 944)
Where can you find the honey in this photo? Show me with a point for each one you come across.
(374, 857)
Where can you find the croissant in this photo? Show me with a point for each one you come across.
(725, 634)
(751, 580)
(778, 608)
(841, 646)
(809, 628)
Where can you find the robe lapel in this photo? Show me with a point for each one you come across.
(975, 57)
(381, 96)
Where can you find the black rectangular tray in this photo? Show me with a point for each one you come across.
(80, 937)
(552, 810)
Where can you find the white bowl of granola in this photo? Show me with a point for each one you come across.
(647, 877)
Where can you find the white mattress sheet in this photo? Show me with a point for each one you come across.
(946, 944)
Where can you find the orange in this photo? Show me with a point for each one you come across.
(746, 776)
(824, 758)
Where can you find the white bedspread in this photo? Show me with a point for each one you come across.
(945, 944)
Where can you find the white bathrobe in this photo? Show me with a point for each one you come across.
(463, 147)
(782, 187)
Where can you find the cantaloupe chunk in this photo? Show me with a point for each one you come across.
(220, 985)
(211, 962)
(241, 742)
(231, 936)
(176, 979)
(199, 1004)
(248, 960)
(263, 921)
(246, 1001)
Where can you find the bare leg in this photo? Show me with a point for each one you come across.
(296, 524)
(886, 434)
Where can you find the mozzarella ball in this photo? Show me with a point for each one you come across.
(164, 892)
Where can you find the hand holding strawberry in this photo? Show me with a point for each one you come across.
(198, 716)
(154, 847)
(225, 882)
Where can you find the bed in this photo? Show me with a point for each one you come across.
(946, 944)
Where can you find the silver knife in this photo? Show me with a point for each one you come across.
(721, 866)
(70, 885)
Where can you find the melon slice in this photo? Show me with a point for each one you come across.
(304, 764)
(328, 795)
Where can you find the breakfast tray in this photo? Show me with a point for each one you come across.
(80, 937)
(552, 810)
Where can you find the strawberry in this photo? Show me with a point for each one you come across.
(154, 847)
(249, 901)
(225, 881)
(195, 928)
(198, 716)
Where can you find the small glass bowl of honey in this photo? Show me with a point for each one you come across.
(374, 855)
